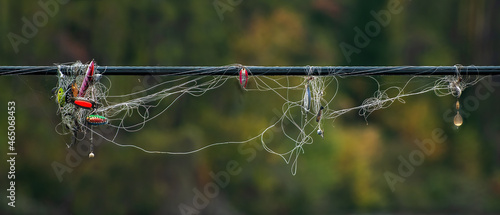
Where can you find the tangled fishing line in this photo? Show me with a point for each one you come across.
(84, 102)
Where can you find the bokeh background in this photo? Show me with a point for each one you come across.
(344, 173)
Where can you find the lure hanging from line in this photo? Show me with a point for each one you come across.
(71, 92)
(60, 97)
(243, 77)
(457, 92)
(87, 79)
(307, 98)
(96, 120)
(84, 104)
(318, 117)
(74, 89)
(320, 133)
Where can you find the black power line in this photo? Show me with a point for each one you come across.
(264, 70)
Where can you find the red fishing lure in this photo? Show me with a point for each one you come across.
(84, 104)
(243, 77)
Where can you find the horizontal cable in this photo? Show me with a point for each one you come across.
(265, 70)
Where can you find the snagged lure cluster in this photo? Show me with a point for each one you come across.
(307, 102)
(75, 94)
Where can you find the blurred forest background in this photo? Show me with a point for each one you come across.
(344, 173)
